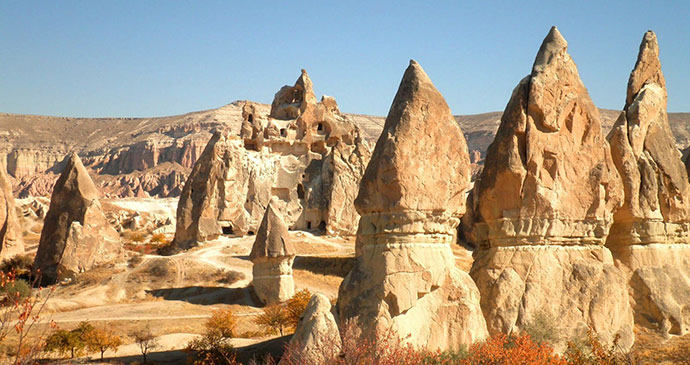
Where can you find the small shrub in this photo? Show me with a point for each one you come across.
(274, 319)
(591, 350)
(134, 261)
(17, 290)
(542, 328)
(158, 238)
(159, 268)
(20, 265)
(136, 236)
(505, 350)
(231, 277)
(213, 347)
(296, 305)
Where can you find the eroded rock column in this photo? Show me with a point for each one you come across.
(651, 232)
(543, 206)
(410, 200)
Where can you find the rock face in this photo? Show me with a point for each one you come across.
(651, 231)
(76, 235)
(411, 198)
(272, 256)
(316, 339)
(541, 210)
(11, 242)
(311, 165)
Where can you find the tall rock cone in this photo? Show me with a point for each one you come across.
(651, 231)
(543, 206)
(410, 200)
(273, 255)
(76, 235)
(11, 242)
(212, 200)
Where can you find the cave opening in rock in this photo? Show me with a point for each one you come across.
(227, 230)
(308, 225)
(250, 118)
(322, 226)
(300, 191)
(319, 127)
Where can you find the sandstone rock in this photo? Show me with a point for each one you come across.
(76, 235)
(311, 165)
(11, 242)
(542, 208)
(656, 210)
(316, 339)
(273, 255)
(410, 199)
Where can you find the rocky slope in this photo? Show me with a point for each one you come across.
(129, 156)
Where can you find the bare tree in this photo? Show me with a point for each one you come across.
(145, 339)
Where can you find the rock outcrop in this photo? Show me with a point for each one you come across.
(11, 242)
(410, 200)
(273, 255)
(317, 338)
(311, 165)
(650, 236)
(542, 208)
(76, 235)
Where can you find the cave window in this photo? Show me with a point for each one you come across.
(308, 225)
(322, 226)
(283, 132)
(250, 118)
(319, 127)
(300, 191)
(251, 233)
(227, 230)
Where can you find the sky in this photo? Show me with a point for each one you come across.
(156, 58)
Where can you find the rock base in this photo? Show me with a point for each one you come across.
(579, 286)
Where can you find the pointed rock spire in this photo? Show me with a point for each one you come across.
(76, 234)
(272, 239)
(554, 45)
(420, 161)
(11, 242)
(647, 68)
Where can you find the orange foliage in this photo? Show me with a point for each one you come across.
(514, 350)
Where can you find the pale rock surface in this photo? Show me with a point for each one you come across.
(317, 338)
(411, 199)
(311, 165)
(651, 232)
(542, 207)
(11, 242)
(76, 235)
(273, 255)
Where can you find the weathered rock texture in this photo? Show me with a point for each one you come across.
(542, 208)
(651, 231)
(311, 165)
(76, 235)
(317, 338)
(273, 255)
(11, 242)
(411, 198)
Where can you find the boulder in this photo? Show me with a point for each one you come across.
(11, 242)
(410, 200)
(76, 235)
(273, 255)
(542, 208)
(317, 338)
(650, 236)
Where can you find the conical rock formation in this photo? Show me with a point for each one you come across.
(76, 235)
(11, 242)
(273, 255)
(410, 200)
(543, 205)
(651, 231)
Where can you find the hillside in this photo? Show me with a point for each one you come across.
(152, 156)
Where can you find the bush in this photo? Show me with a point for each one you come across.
(159, 238)
(17, 290)
(20, 265)
(159, 268)
(231, 277)
(213, 347)
(542, 328)
(136, 236)
(274, 319)
(507, 350)
(296, 305)
(591, 350)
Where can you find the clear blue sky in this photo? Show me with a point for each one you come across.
(154, 58)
